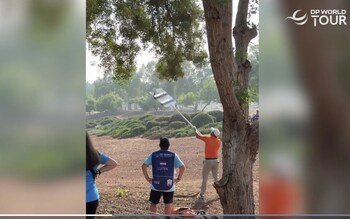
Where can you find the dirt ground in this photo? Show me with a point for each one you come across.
(130, 154)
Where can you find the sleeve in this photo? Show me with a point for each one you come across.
(103, 158)
(203, 137)
(178, 161)
(148, 160)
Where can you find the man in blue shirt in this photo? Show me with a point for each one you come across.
(163, 164)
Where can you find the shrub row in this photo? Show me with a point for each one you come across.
(154, 127)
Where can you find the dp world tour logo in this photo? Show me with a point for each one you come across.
(320, 17)
(298, 20)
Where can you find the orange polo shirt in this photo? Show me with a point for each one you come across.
(212, 145)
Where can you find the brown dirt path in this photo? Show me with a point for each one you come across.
(130, 154)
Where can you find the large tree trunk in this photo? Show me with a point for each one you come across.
(240, 142)
(322, 55)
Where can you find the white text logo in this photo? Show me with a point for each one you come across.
(320, 17)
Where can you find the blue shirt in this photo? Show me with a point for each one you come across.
(178, 163)
(91, 188)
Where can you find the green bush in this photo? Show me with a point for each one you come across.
(157, 134)
(106, 120)
(137, 131)
(219, 115)
(163, 124)
(206, 129)
(147, 118)
(178, 117)
(181, 135)
(202, 119)
(119, 132)
(90, 124)
(128, 132)
(192, 115)
(186, 131)
(177, 125)
(151, 124)
(162, 119)
(151, 131)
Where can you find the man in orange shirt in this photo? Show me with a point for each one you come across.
(211, 162)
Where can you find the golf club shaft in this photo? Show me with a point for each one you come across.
(183, 116)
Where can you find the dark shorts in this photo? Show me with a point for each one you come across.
(155, 197)
(91, 208)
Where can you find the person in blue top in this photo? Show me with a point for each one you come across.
(164, 163)
(96, 163)
(256, 116)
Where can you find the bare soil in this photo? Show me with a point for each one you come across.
(130, 154)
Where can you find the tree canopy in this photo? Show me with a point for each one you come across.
(118, 29)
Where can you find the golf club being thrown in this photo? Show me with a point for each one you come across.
(166, 100)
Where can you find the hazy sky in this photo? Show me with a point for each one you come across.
(93, 72)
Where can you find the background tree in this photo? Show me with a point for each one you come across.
(109, 102)
(103, 86)
(209, 92)
(189, 99)
(254, 73)
(146, 102)
(89, 87)
(90, 103)
(173, 29)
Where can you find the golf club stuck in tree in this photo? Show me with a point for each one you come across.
(168, 101)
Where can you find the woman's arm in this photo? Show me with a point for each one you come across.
(109, 165)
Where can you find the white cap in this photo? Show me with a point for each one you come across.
(215, 131)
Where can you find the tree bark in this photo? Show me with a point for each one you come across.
(243, 35)
(235, 189)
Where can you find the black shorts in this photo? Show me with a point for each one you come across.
(155, 197)
(91, 208)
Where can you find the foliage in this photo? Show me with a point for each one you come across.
(218, 115)
(178, 117)
(103, 86)
(188, 99)
(163, 124)
(147, 118)
(162, 119)
(106, 121)
(151, 124)
(247, 96)
(90, 104)
(146, 102)
(144, 126)
(121, 192)
(174, 29)
(254, 73)
(209, 92)
(192, 115)
(109, 101)
(202, 119)
(89, 88)
(91, 124)
(177, 124)
(206, 128)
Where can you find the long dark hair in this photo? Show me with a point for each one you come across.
(92, 155)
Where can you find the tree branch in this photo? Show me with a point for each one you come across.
(242, 13)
